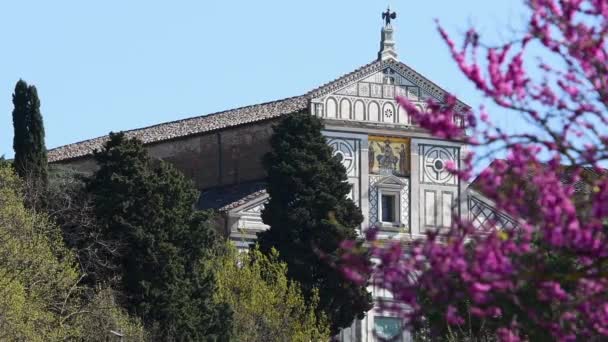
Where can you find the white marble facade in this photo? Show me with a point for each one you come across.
(403, 200)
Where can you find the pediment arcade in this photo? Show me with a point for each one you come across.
(372, 98)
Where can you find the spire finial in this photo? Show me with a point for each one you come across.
(387, 44)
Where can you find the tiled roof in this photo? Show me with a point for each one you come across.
(244, 200)
(186, 127)
(243, 115)
(229, 197)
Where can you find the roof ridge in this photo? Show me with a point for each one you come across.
(215, 113)
(181, 120)
(312, 92)
(242, 201)
(186, 126)
(426, 79)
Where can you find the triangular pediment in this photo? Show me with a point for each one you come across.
(391, 180)
(385, 85)
(368, 93)
(376, 72)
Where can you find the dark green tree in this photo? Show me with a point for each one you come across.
(310, 216)
(165, 244)
(28, 142)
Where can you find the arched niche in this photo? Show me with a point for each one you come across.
(374, 111)
(403, 117)
(345, 109)
(359, 110)
(332, 107)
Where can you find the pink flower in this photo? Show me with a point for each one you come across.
(560, 211)
(453, 317)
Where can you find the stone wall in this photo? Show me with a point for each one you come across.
(223, 157)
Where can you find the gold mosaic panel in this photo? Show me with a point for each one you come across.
(389, 155)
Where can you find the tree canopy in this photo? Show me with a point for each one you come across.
(147, 205)
(310, 215)
(41, 298)
(266, 305)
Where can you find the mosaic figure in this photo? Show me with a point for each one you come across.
(387, 160)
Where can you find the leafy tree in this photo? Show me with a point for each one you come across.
(36, 272)
(310, 216)
(40, 293)
(70, 205)
(266, 305)
(147, 205)
(28, 142)
(103, 318)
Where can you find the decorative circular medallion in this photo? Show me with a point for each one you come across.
(434, 164)
(345, 153)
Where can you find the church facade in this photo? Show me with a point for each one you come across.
(397, 170)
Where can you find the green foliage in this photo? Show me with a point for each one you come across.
(71, 206)
(309, 217)
(28, 142)
(37, 278)
(40, 294)
(266, 305)
(147, 205)
(3, 161)
(102, 316)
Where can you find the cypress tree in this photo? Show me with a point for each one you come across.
(309, 216)
(28, 142)
(147, 205)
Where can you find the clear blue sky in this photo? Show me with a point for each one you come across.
(115, 65)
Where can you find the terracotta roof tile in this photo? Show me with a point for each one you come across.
(239, 116)
(186, 127)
